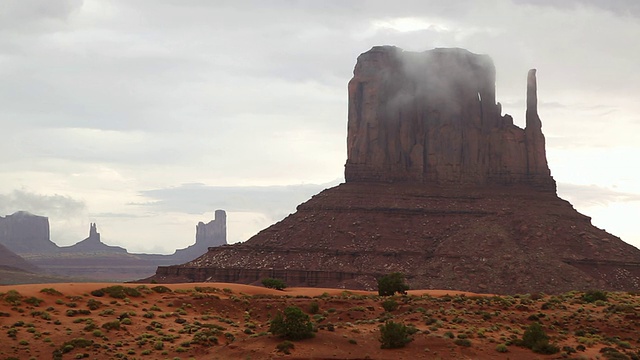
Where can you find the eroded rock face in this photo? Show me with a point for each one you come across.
(432, 117)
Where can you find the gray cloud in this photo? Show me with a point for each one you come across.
(46, 205)
(273, 201)
(590, 195)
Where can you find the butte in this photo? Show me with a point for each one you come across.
(439, 186)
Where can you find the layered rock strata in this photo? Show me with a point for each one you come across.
(439, 186)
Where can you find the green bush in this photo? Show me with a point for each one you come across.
(33, 301)
(94, 304)
(390, 305)
(112, 325)
(594, 295)
(274, 283)
(462, 342)
(391, 284)
(537, 340)
(117, 292)
(160, 289)
(502, 348)
(285, 346)
(294, 325)
(394, 335)
(314, 307)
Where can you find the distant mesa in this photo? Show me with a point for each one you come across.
(23, 232)
(26, 236)
(439, 186)
(211, 234)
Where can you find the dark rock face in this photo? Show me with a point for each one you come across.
(25, 233)
(441, 187)
(432, 117)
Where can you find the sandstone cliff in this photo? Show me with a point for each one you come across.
(432, 117)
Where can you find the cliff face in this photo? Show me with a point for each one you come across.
(25, 233)
(432, 117)
(441, 187)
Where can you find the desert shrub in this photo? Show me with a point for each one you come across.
(206, 337)
(537, 340)
(613, 354)
(391, 284)
(394, 335)
(272, 283)
(389, 305)
(293, 325)
(462, 342)
(117, 292)
(502, 348)
(594, 295)
(97, 293)
(160, 289)
(73, 312)
(285, 347)
(77, 343)
(94, 304)
(111, 325)
(314, 307)
(34, 301)
(13, 297)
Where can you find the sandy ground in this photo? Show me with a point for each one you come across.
(166, 325)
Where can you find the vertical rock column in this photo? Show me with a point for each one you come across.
(536, 156)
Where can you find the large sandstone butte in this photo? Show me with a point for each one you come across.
(439, 186)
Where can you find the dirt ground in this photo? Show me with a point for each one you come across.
(231, 321)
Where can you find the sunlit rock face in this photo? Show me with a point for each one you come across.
(432, 117)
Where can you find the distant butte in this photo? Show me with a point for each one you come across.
(439, 186)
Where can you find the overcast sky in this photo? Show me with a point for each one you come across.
(145, 116)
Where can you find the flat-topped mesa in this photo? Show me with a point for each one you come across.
(431, 117)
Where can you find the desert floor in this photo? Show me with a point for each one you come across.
(231, 321)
